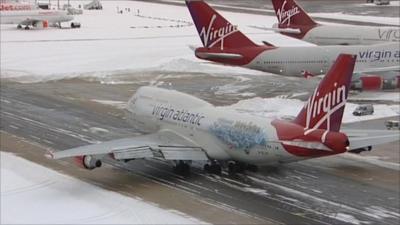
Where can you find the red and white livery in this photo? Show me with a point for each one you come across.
(224, 43)
(28, 15)
(182, 128)
(293, 21)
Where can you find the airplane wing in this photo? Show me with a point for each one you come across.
(28, 22)
(365, 138)
(164, 144)
(378, 69)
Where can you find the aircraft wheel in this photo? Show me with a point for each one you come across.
(19, 26)
(27, 28)
(215, 169)
(182, 169)
(207, 168)
(235, 167)
(252, 168)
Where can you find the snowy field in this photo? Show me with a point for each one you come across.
(31, 193)
(107, 44)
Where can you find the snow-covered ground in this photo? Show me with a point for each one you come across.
(106, 43)
(282, 107)
(33, 194)
(383, 20)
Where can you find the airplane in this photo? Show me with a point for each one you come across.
(28, 15)
(293, 21)
(224, 43)
(182, 128)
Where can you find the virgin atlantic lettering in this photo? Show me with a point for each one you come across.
(379, 55)
(284, 16)
(165, 112)
(211, 36)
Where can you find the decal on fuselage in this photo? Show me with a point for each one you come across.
(239, 135)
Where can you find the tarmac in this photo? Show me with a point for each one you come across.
(64, 114)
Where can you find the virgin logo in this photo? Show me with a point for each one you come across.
(285, 16)
(328, 103)
(211, 35)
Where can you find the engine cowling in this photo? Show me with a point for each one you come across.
(88, 162)
(370, 83)
(41, 24)
(375, 83)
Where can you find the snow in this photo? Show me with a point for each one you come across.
(280, 107)
(33, 194)
(374, 160)
(380, 96)
(116, 104)
(374, 19)
(106, 44)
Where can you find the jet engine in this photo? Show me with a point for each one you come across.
(375, 83)
(88, 162)
(41, 24)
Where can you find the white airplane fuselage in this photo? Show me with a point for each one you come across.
(351, 35)
(293, 61)
(24, 16)
(223, 134)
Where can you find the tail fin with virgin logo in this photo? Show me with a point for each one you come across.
(214, 30)
(291, 15)
(325, 107)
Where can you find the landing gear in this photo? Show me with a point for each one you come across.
(214, 168)
(236, 167)
(182, 168)
(26, 28)
(19, 26)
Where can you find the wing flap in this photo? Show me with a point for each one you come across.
(365, 138)
(165, 144)
(183, 153)
(133, 153)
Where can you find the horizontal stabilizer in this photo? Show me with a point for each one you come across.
(275, 29)
(210, 55)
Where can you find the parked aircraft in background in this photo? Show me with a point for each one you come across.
(28, 16)
(224, 43)
(293, 21)
(184, 128)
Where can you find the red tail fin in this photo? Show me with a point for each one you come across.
(324, 109)
(215, 30)
(291, 15)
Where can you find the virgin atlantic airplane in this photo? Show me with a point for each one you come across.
(293, 21)
(224, 43)
(181, 128)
